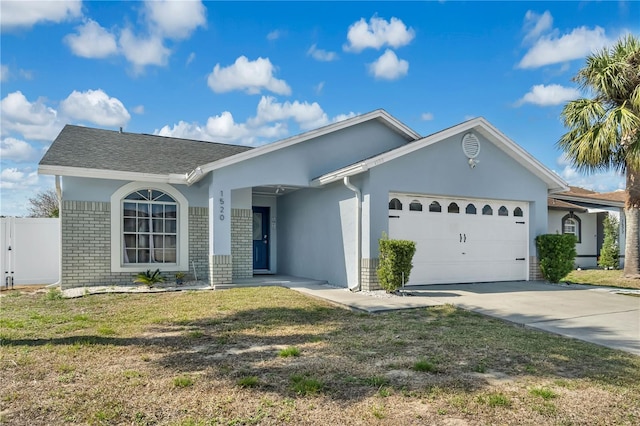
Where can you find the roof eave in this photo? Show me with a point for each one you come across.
(45, 169)
(609, 203)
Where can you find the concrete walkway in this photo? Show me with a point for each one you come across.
(593, 314)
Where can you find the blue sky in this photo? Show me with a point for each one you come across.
(251, 73)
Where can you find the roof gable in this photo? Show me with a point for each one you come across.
(480, 125)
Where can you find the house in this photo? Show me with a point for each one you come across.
(582, 212)
(312, 205)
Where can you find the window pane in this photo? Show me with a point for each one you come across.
(143, 210)
(143, 225)
(129, 209)
(166, 198)
(143, 256)
(143, 241)
(502, 211)
(157, 210)
(257, 226)
(395, 204)
(158, 255)
(155, 194)
(435, 207)
(487, 210)
(158, 242)
(130, 256)
(158, 225)
(170, 241)
(129, 225)
(415, 206)
(517, 212)
(453, 208)
(170, 210)
(471, 209)
(170, 226)
(129, 241)
(135, 196)
(170, 256)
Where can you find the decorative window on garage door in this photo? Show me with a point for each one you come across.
(517, 212)
(395, 204)
(435, 207)
(502, 211)
(487, 210)
(471, 209)
(415, 206)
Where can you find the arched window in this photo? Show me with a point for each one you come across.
(453, 208)
(487, 210)
(502, 211)
(517, 212)
(415, 206)
(395, 204)
(571, 224)
(435, 207)
(149, 228)
(471, 209)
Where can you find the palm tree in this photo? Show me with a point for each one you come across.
(604, 130)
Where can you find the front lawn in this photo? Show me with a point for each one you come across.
(601, 277)
(273, 356)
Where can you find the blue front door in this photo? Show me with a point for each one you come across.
(260, 238)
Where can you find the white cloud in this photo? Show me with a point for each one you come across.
(389, 67)
(33, 120)
(4, 73)
(95, 106)
(601, 182)
(191, 58)
(553, 94)
(319, 87)
(28, 13)
(175, 19)
(426, 116)
(274, 35)
(92, 41)
(13, 178)
(142, 51)
(577, 44)
(18, 150)
(139, 109)
(378, 33)
(270, 123)
(535, 24)
(321, 54)
(250, 76)
(308, 116)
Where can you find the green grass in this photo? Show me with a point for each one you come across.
(209, 358)
(600, 277)
(290, 351)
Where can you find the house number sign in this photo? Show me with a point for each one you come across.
(221, 202)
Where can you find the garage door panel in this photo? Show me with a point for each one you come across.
(463, 247)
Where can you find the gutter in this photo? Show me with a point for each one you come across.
(358, 193)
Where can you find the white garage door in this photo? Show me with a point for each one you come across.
(462, 240)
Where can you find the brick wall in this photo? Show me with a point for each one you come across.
(86, 244)
(534, 269)
(242, 243)
(220, 269)
(369, 277)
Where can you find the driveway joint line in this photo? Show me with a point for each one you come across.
(584, 316)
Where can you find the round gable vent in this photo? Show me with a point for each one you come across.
(470, 145)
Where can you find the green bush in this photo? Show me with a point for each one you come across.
(557, 253)
(610, 253)
(149, 278)
(395, 260)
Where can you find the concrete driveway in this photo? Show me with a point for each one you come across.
(593, 314)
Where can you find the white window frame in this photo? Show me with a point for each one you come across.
(117, 234)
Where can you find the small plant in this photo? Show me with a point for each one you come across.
(248, 382)
(556, 253)
(495, 400)
(378, 411)
(149, 278)
(54, 294)
(195, 334)
(290, 351)
(182, 382)
(376, 381)
(544, 393)
(396, 258)
(424, 365)
(304, 385)
(180, 277)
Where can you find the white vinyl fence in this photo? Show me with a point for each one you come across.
(30, 250)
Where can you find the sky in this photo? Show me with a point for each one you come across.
(254, 72)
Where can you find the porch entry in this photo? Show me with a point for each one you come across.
(261, 238)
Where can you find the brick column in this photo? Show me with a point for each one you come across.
(534, 269)
(220, 269)
(199, 241)
(242, 243)
(369, 276)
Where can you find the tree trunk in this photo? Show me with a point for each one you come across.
(632, 216)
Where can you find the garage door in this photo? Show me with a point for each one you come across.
(462, 240)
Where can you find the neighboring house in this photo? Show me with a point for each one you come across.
(312, 205)
(582, 212)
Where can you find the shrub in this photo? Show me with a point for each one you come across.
(149, 278)
(556, 253)
(610, 253)
(395, 262)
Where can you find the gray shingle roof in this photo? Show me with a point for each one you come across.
(101, 149)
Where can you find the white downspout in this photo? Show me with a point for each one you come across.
(59, 194)
(358, 232)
